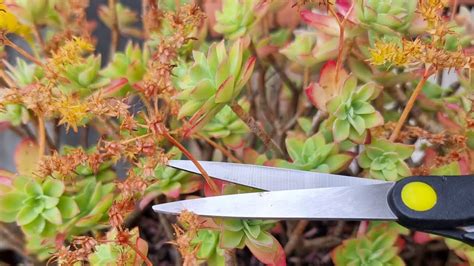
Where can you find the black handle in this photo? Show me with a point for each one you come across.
(411, 200)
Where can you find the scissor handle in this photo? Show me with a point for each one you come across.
(436, 204)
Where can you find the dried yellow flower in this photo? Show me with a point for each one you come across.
(71, 52)
(72, 112)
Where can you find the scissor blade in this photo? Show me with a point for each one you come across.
(271, 178)
(338, 203)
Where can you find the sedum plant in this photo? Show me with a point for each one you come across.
(375, 248)
(38, 207)
(238, 17)
(213, 81)
(228, 127)
(351, 111)
(385, 160)
(386, 17)
(316, 154)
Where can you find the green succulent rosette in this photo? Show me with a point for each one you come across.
(172, 182)
(84, 78)
(377, 247)
(237, 17)
(386, 16)
(208, 250)
(38, 207)
(315, 154)
(351, 113)
(213, 81)
(228, 127)
(384, 160)
(130, 64)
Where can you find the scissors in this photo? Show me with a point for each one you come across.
(442, 205)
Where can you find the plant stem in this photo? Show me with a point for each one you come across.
(41, 136)
(21, 51)
(114, 28)
(203, 172)
(256, 128)
(409, 106)
(295, 236)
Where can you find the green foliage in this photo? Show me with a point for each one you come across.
(207, 242)
(386, 16)
(385, 160)
(374, 248)
(84, 77)
(16, 114)
(227, 126)
(315, 154)
(213, 81)
(238, 17)
(130, 64)
(112, 253)
(236, 232)
(351, 111)
(37, 206)
(172, 182)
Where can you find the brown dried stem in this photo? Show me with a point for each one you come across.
(409, 106)
(115, 33)
(21, 51)
(41, 136)
(256, 128)
(203, 172)
(295, 236)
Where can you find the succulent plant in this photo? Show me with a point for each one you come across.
(112, 253)
(84, 77)
(172, 182)
(227, 126)
(351, 113)
(37, 206)
(375, 248)
(315, 154)
(385, 160)
(253, 234)
(238, 16)
(310, 48)
(23, 73)
(16, 114)
(126, 18)
(386, 16)
(130, 64)
(207, 242)
(213, 81)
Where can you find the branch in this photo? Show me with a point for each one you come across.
(409, 105)
(256, 128)
(114, 28)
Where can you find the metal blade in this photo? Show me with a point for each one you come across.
(271, 178)
(339, 203)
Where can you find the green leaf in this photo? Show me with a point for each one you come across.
(11, 201)
(53, 187)
(338, 162)
(341, 130)
(8, 217)
(295, 148)
(53, 216)
(35, 227)
(50, 202)
(33, 188)
(26, 216)
(68, 207)
(233, 224)
(230, 239)
(225, 91)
